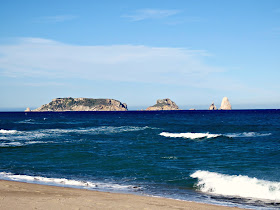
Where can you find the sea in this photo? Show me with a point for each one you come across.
(229, 158)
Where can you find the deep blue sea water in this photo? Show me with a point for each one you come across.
(222, 157)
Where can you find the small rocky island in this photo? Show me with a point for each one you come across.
(163, 104)
(82, 104)
(225, 105)
(212, 107)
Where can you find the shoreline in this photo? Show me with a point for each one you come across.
(21, 195)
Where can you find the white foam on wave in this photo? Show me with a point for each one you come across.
(15, 138)
(22, 138)
(90, 130)
(237, 186)
(2, 131)
(208, 135)
(247, 134)
(19, 144)
(97, 130)
(189, 135)
(66, 182)
(11, 144)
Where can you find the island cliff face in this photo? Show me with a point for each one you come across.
(163, 104)
(82, 104)
(225, 105)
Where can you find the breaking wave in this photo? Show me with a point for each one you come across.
(66, 182)
(14, 138)
(238, 186)
(189, 135)
(92, 130)
(208, 135)
(2, 131)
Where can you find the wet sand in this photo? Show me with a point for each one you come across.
(21, 196)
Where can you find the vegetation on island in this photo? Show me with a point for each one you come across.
(83, 104)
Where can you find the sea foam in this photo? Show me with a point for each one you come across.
(2, 131)
(23, 143)
(237, 186)
(247, 134)
(208, 135)
(93, 130)
(189, 135)
(14, 138)
(66, 182)
(106, 130)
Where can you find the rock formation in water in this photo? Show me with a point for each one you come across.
(82, 104)
(212, 107)
(225, 105)
(28, 109)
(163, 104)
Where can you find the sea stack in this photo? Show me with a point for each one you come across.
(163, 104)
(225, 105)
(82, 104)
(28, 109)
(212, 107)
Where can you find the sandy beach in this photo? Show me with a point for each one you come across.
(19, 195)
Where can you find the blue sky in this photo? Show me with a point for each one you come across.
(193, 52)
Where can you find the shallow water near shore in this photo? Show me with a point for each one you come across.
(220, 157)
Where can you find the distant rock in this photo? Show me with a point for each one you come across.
(212, 107)
(163, 104)
(28, 109)
(225, 105)
(192, 109)
(82, 104)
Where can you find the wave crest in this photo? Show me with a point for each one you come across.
(14, 138)
(240, 186)
(2, 131)
(189, 135)
(208, 135)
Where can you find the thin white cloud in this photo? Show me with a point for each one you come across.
(56, 18)
(144, 14)
(47, 59)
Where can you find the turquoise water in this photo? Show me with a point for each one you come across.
(223, 157)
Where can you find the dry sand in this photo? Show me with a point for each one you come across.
(19, 195)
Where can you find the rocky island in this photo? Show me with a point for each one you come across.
(82, 104)
(163, 104)
(225, 105)
(212, 107)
